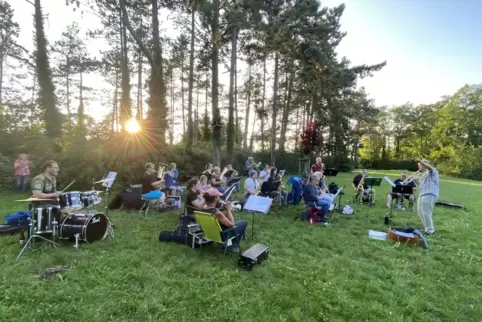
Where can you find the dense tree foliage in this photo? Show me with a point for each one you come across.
(287, 92)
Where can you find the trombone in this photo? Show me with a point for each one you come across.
(411, 178)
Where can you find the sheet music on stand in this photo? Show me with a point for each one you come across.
(282, 173)
(109, 180)
(256, 204)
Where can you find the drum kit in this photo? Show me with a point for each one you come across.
(71, 217)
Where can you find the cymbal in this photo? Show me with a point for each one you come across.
(33, 200)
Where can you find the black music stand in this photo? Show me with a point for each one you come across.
(331, 172)
(372, 182)
(107, 184)
(256, 204)
(402, 190)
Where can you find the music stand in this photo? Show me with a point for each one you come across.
(372, 182)
(256, 204)
(227, 194)
(107, 184)
(331, 172)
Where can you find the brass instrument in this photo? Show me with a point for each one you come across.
(223, 173)
(411, 178)
(160, 174)
(362, 182)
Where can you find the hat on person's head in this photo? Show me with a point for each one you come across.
(213, 192)
(315, 177)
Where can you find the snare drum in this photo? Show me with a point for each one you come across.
(90, 198)
(71, 201)
(89, 226)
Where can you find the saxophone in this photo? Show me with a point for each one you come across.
(222, 177)
(160, 174)
(362, 181)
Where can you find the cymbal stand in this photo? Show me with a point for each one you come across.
(33, 235)
(111, 226)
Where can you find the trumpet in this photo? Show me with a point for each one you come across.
(411, 178)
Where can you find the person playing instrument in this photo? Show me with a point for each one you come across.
(251, 184)
(208, 171)
(22, 172)
(44, 186)
(174, 171)
(318, 166)
(264, 174)
(248, 166)
(203, 181)
(363, 192)
(216, 179)
(397, 196)
(428, 194)
(150, 185)
(169, 181)
(194, 199)
(312, 195)
(231, 173)
(323, 188)
(269, 188)
(225, 218)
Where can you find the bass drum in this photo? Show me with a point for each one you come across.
(90, 226)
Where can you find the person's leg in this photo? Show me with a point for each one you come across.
(411, 200)
(285, 197)
(372, 194)
(277, 195)
(389, 200)
(18, 182)
(427, 211)
(360, 195)
(325, 206)
(419, 210)
(222, 190)
(24, 183)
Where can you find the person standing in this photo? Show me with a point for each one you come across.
(428, 195)
(22, 172)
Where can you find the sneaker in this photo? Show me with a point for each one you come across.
(429, 234)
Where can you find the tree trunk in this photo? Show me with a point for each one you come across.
(246, 120)
(171, 121)
(286, 112)
(263, 102)
(216, 121)
(67, 90)
(237, 130)
(139, 88)
(190, 127)
(52, 117)
(183, 108)
(125, 106)
(1, 77)
(275, 110)
(230, 134)
(115, 114)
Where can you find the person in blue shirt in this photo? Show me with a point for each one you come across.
(312, 194)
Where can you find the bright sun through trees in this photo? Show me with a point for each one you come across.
(132, 126)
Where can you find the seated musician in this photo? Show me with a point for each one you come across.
(230, 175)
(194, 199)
(363, 192)
(203, 183)
(264, 174)
(151, 184)
(208, 171)
(323, 188)
(249, 165)
(169, 182)
(44, 186)
(251, 184)
(224, 217)
(397, 196)
(269, 188)
(174, 172)
(318, 166)
(312, 195)
(216, 181)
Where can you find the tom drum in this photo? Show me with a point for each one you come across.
(70, 201)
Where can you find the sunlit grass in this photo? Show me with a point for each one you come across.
(314, 273)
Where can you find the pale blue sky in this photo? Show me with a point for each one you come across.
(432, 47)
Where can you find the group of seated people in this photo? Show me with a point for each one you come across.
(209, 201)
(152, 183)
(213, 177)
(268, 185)
(316, 193)
(366, 193)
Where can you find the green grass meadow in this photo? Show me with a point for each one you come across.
(314, 273)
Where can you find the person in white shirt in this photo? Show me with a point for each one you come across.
(428, 194)
(264, 174)
(251, 184)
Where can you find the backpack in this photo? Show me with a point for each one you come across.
(296, 189)
(332, 188)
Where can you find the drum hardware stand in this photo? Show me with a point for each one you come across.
(77, 236)
(111, 229)
(34, 235)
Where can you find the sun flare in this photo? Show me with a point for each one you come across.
(132, 126)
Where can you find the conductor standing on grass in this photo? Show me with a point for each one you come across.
(429, 193)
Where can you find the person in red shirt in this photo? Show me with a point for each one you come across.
(319, 166)
(22, 172)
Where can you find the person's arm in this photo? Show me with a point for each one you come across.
(426, 165)
(198, 203)
(17, 164)
(157, 183)
(223, 220)
(40, 195)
